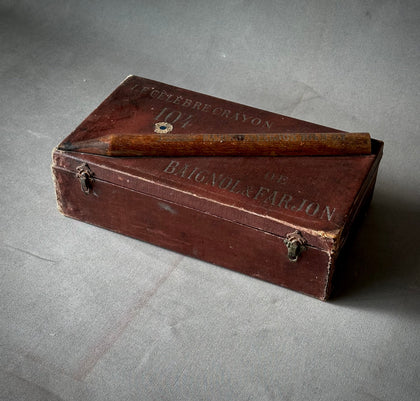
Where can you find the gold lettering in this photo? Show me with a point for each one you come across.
(329, 213)
(187, 103)
(154, 93)
(269, 177)
(206, 108)
(271, 198)
(162, 95)
(170, 168)
(314, 212)
(183, 170)
(145, 89)
(201, 176)
(161, 113)
(197, 105)
(244, 117)
(225, 186)
(187, 121)
(192, 172)
(226, 113)
(173, 120)
(177, 100)
(285, 199)
(261, 191)
(282, 179)
(234, 186)
(214, 180)
(300, 207)
(263, 195)
(247, 191)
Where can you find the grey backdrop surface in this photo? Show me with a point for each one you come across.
(86, 314)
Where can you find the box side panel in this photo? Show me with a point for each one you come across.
(188, 231)
(349, 230)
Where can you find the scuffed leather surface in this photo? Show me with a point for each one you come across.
(87, 314)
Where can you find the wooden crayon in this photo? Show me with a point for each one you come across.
(247, 144)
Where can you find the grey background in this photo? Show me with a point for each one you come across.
(86, 314)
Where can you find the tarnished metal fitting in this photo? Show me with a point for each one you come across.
(295, 244)
(85, 176)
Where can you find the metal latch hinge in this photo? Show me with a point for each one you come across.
(295, 244)
(85, 176)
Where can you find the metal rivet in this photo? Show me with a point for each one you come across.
(163, 127)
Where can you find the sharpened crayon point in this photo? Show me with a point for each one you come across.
(66, 146)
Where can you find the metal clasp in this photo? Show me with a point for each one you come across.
(85, 176)
(295, 245)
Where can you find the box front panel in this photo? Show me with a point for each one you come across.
(199, 234)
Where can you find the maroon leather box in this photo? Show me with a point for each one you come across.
(279, 219)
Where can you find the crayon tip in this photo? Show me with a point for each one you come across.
(66, 146)
(93, 146)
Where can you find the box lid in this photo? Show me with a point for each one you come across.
(318, 196)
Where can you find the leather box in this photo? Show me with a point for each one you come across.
(280, 219)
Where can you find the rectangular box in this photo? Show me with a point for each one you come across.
(279, 219)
